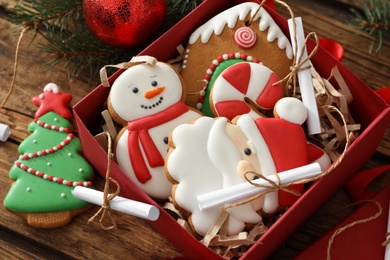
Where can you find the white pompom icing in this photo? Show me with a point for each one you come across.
(292, 110)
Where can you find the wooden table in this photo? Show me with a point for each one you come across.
(134, 238)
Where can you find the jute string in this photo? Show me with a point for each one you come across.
(11, 88)
(387, 241)
(275, 186)
(298, 61)
(361, 221)
(125, 65)
(105, 208)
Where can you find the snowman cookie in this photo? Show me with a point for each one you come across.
(242, 33)
(211, 154)
(147, 99)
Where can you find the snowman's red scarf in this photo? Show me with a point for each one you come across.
(139, 131)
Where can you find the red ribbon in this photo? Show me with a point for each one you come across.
(356, 186)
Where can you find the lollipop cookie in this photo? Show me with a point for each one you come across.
(244, 88)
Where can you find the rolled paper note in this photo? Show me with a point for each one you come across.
(387, 250)
(131, 207)
(4, 132)
(304, 76)
(246, 190)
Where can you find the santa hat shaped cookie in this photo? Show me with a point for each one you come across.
(244, 32)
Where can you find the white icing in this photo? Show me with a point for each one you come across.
(199, 166)
(223, 91)
(324, 160)
(267, 165)
(51, 87)
(158, 186)
(127, 105)
(230, 16)
(292, 110)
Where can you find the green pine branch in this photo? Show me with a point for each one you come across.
(374, 18)
(67, 37)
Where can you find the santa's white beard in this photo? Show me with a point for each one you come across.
(225, 156)
(192, 165)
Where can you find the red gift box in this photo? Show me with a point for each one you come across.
(368, 109)
(361, 241)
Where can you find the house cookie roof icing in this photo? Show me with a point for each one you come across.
(230, 18)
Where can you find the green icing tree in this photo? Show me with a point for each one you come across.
(50, 165)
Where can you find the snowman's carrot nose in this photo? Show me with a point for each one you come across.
(149, 94)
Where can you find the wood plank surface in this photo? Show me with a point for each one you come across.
(134, 238)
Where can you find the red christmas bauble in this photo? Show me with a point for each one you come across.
(124, 23)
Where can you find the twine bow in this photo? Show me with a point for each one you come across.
(298, 61)
(105, 208)
(271, 186)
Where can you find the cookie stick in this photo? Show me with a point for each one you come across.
(131, 207)
(4, 132)
(245, 190)
(304, 76)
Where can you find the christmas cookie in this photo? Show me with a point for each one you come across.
(242, 33)
(244, 88)
(147, 99)
(211, 154)
(49, 167)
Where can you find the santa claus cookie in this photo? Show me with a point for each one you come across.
(211, 154)
(147, 99)
(244, 32)
(49, 167)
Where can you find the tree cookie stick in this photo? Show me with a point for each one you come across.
(131, 207)
(245, 190)
(4, 132)
(304, 76)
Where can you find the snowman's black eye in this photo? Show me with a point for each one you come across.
(247, 151)
(154, 83)
(135, 90)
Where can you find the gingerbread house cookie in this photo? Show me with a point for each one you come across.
(244, 32)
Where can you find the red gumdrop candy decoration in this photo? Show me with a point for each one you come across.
(124, 23)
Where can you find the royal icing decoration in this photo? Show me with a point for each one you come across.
(49, 166)
(231, 16)
(52, 100)
(148, 98)
(242, 86)
(218, 65)
(244, 28)
(211, 154)
(52, 150)
(245, 38)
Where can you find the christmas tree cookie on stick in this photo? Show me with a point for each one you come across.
(49, 167)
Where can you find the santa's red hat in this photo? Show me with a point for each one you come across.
(279, 143)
